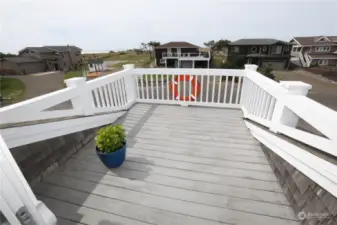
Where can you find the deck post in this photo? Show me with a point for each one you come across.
(130, 84)
(282, 115)
(251, 67)
(244, 95)
(84, 101)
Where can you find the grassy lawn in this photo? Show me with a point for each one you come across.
(72, 74)
(12, 90)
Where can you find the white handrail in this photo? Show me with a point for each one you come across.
(279, 106)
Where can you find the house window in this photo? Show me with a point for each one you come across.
(253, 49)
(162, 61)
(286, 48)
(322, 49)
(235, 49)
(276, 50)
(264, 48)
(77, 53)
(323, 62)
(90, 65)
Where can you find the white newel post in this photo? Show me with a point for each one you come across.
(282, 115)
(245, 95)
(251, 67)
(84, 101)
(130, 83)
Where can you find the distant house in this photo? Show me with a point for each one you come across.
(46, 58)
(97, 65)
(21, 65)
(262, 52)
(181, 55)
(314, 51)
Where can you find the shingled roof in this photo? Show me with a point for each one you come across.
(63, 48)
(257, 41)
(178, 44)
(311, 40)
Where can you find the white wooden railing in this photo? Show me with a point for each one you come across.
(278, 107)
(105, 94)
(216, 87)
(186, 54)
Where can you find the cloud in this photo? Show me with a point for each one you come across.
(113, 24)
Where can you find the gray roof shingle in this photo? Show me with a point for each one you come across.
(311, 40)
(257, 41)
(63, 48)
(178, 44)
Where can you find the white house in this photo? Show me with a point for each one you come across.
(97, 65)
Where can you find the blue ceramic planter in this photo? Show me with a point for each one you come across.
(113, 159)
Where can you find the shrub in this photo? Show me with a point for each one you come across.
(267, 71)
(110, 138)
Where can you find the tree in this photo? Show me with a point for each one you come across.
(149, 48)
(4, 55)
(216, 46)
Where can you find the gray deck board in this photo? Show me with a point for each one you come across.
(185, 165)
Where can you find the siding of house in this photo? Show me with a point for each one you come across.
(331, 63)
(32, 67)
(7, 65)
(189, 50)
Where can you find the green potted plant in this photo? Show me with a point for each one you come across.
(111, 145)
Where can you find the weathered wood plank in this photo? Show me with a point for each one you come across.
(224, 129)
(224, 190)
(216, 153)
(185, 143)
(61, 221)
(204, 139)
(84, 214)
(109, 203)
(204, 169)
(240, 204)
(199, 160)
(172, 205)
(181, 133)
(185, 174)
(185, 165)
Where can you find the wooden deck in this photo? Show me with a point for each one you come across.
(185, 165)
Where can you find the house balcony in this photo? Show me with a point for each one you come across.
(204, 55)
(202, 148)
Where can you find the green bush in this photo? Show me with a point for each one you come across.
(267, 71)
(234, 62)
(110, 138)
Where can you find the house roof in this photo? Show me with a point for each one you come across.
(178, 44)
(257, 41)
(311, 40)
(323, 56)
(38, 49)
(63, 48)
(22, 59)
(95, 61)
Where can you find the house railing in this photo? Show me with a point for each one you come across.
(187, 54)
(203, 87)
(275, 107)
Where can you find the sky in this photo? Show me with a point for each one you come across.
(100, 25)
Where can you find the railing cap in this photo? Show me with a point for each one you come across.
(296, 87)
(251, 67)
(75, 81)
(128, 66)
